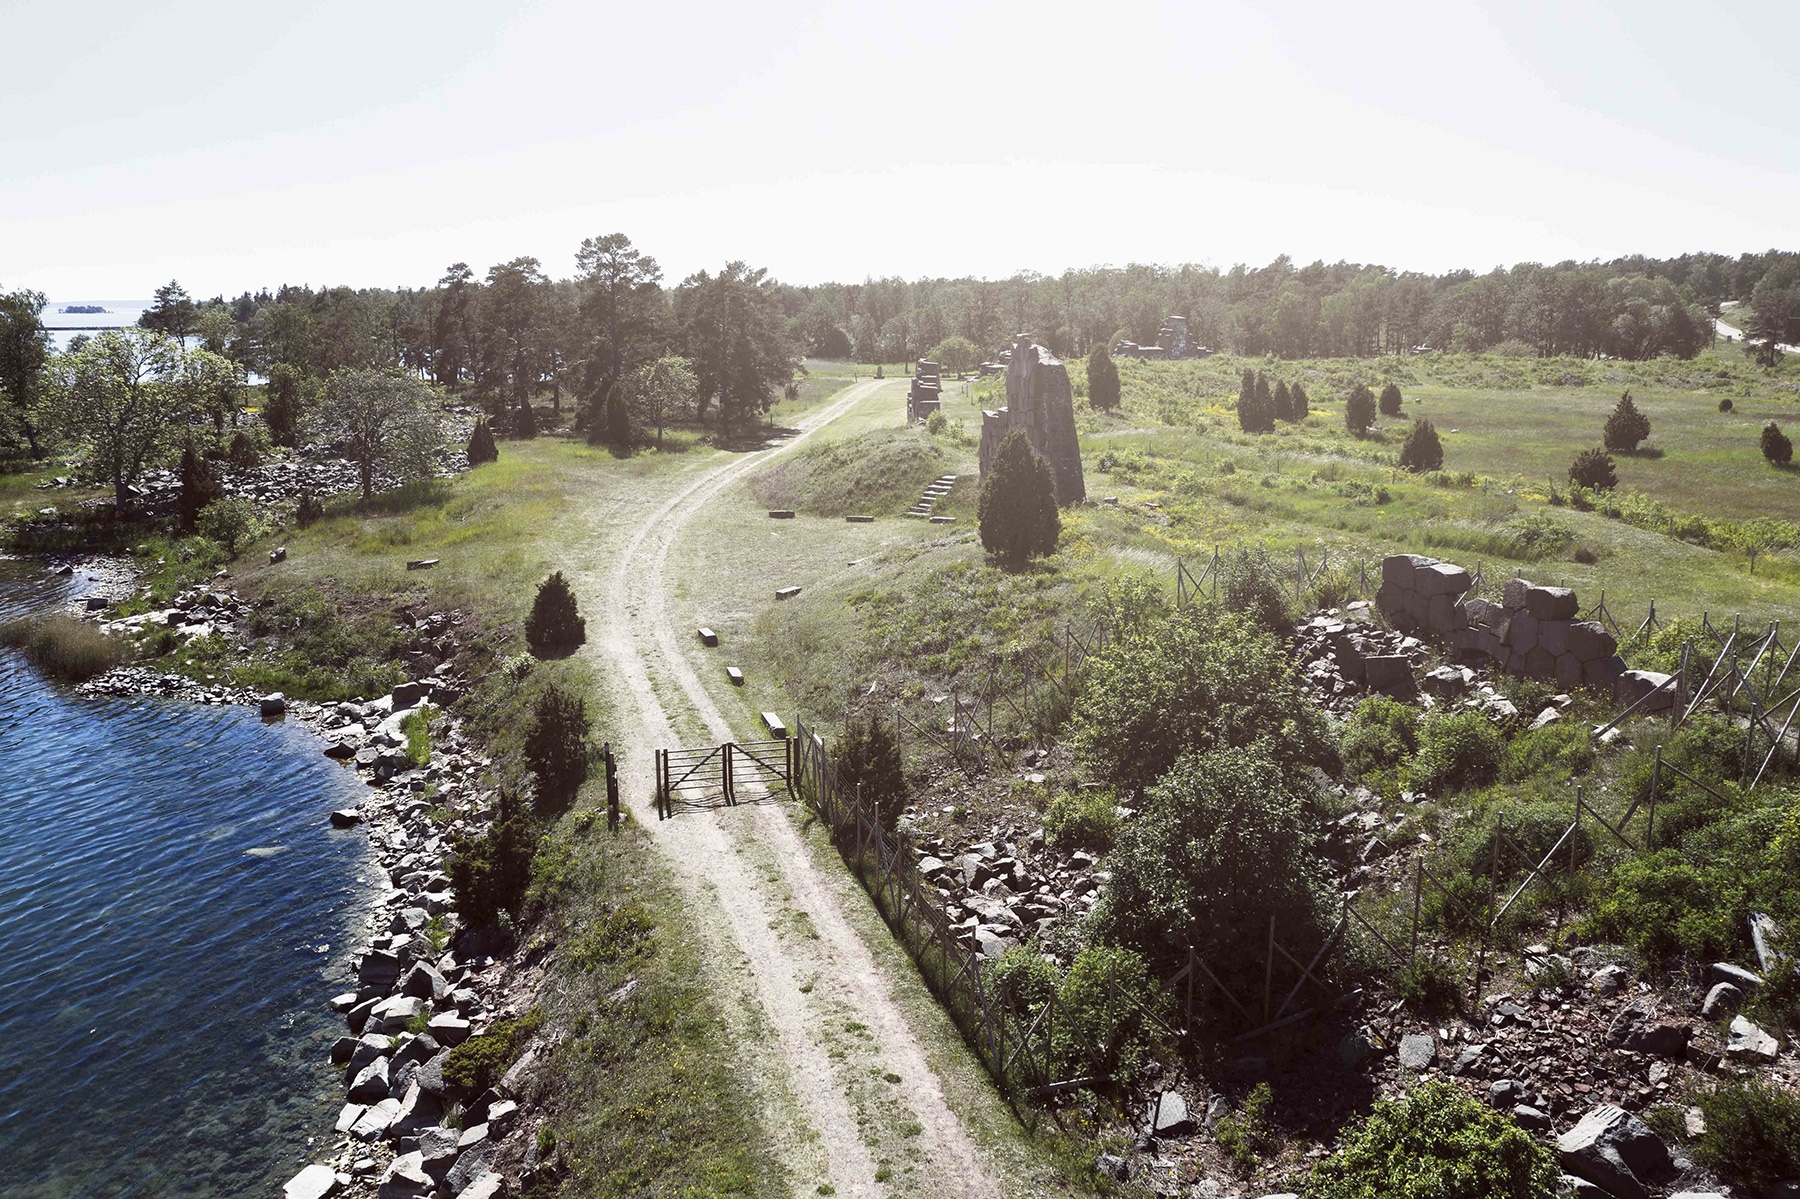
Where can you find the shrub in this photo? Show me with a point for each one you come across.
(1437, 1143)
(1223, 843)
(199, 486)
(1245, 1136)
(1428, 985)
(1752, 1133)
(1593, 469)
(1297, 402)
(482, 448)
(1102, 379)
(1026, 977)
(1199, 679)
(1380, 734)
(1256, 406)
(62, 646)
(489, 873)
(1390, 400)
(556, 745)
(1625, 427)
(1251, 583)
(1102, 995)
(1725, 404)
(482, 1060)
(1459, 750)
(1017, 509)
(231, 522)
(1776, 446)
(554, 626)
(1533, 829)
(417, 727)
(936, 424)
(1083, 819)
(1283, 402)
(1663, 905)
(868, 764)
(309, 511)
(1421, 451)
(1359, 410)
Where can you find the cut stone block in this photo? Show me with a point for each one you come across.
(1552, 603)
(708, 637)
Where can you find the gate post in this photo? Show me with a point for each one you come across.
(612, 787)
(660, 754)
(730, 795)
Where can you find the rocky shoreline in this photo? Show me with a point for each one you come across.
(421, 984)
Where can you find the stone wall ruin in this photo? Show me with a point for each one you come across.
(1039, 401)
(1532, 631)
(927, 392)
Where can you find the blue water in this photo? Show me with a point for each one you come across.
(162, 1020)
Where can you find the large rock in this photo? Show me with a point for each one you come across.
(1589, 641)
(1441, 578)
(314, 1182)
(374, 1121)
(470, 1166)
(422, 982)
(1751, 1043)
(1388, 672)
(1634, 685)
(1553, 635)
(405, 1178)
(1764, 933)
(1513, 594)
(1723, 1000)
(1039, 401)
(1552, 603)
(371, 1083)
(1614, 1150)
(418, 1109)
(486, 1186)
(1417, 1051)
(437, 1151)
(1399, 570)
(1166, 1115)
(380, 969)
(1730, 972)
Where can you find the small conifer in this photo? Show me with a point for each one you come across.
(1593, 469)
(1775, 445)
(554, 625)
(481, 444)
(1359, 409)
(1017, 509)
(1390, 400)
(1625, 427)
(1422, 451)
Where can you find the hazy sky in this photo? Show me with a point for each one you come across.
(374, 142)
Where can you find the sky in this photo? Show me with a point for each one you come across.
(373, 143)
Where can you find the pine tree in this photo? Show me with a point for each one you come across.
(199, 485)
(525, 422)
(481, 444)
(1284, 403)
(1775, 445)
(554, 626)
(1017, 509)
(556, 746)
(1297, 402)
(1593, 469)
(1102, 379)
(869, 768)
(1390, 400)
(1422, 451)
(1625, 427)
(1359, 410)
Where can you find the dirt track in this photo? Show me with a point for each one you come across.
(800, 987)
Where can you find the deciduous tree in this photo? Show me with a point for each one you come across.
(958, 354)
(662, 392)
(122, 394)
(24, 355)
(387, 422)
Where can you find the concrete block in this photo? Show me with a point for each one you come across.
(1440, 613)
(1388, 598)
(1513, 593)
(1540, 663)
(1522, 632)
(1603, 672)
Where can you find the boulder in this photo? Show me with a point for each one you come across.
(1589, 641)
(448, 1028)
(422, 982)
(349, 1115)
(375, 1120)
(1727, 972)
(314, 1182)
(365, 1050)
(470, 1165)
(1552, 603)
(1166, 1116)
(1751, 1043)
(1568, 670)
(1572, 1187)
(437, 1151)
(1400, 569)
(379, 969)
(1441, 578)
(371, 1083)
(1417, 1051)
(1553, 635)
(272, 705)
(405, 1178)
(1764, 933)
(1614, 1150)
(1723, 1000)
(486, 1186)
(419, 1109)
(1388, 672)
(1603, 672)
(1634, 685)
(1531, 1118)
(1522, 632)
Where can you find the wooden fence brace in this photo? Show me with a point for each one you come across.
(1418, 887)
(1655, 784)
(1779, 741)
(1493, 896)
(1306, 972)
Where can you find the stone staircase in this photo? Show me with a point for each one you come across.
(938, 489)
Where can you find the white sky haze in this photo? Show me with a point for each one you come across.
(241, 146)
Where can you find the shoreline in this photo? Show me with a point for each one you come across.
(417, 984)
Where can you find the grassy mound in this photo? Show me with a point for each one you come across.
(63, 647)
(880, 473)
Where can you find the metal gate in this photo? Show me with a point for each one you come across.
(723, 775)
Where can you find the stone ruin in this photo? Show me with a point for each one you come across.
(1171, 343)
(1039, 401)
(1532, 631)
(927, 393)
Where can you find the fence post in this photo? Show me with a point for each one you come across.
(1418, 889)
(612, 787)
(1655, 783)
(659, 783)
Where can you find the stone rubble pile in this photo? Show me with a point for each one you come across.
(1347, 656)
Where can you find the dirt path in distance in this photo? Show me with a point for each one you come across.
(807, 975)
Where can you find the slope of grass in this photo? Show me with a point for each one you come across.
(880, 473)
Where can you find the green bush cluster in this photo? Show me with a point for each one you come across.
(1380, 735)
(482, 1060)
(1437, 1143)
(1100, 1028)
(556, 746)
(1456, 750)
(869, 766)
(1248, 1134)
(489, 873)
(1752, 1133)
(1086, 819)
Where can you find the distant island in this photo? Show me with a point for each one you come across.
(80, 309)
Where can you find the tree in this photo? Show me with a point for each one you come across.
(556, 746)
(231, 521)
(1102, 379)
(1255, 404)
(173, 313)
(1390, 400)
(621, 308)
(869, 767)
(120, 393)
(199, 486)
(618, 419)
(24, 354)
(1222, 843)
(1284, 401)
(555, 625)
(662, 392)
(737, 340)
(1421, 451)
(386, 421)
(958, 354)
(1593, 469)
(489, 873)
(1017, 508)
(481, 445)
(1297, 402)
(515, 331)
(1625, 427)
(1359, 410)
(453, 325)
(285, 403)
(211, 385)
(1775, 445)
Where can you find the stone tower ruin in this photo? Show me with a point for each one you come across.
(1039, 401)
